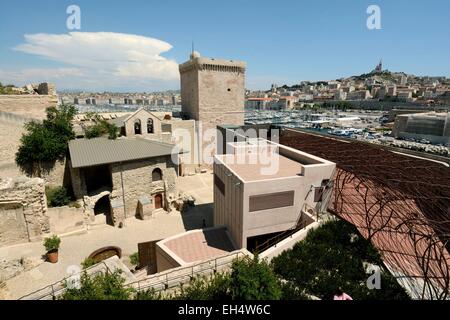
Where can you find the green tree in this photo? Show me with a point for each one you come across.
(45, 143)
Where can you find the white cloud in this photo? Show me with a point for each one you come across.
(96, 60)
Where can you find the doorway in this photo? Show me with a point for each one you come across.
(103, 207)
(158, 201)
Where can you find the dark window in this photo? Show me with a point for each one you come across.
(271, 201)
(137, 127)
(229, 89)
(219, 184)
(157, 175)
(318, 193)
(150, 126)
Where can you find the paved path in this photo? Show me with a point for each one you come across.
(75, 248)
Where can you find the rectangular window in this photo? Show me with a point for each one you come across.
(318, 192)
(219, 184)
(271, 201)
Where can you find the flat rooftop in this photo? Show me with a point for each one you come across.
(262, 170)
(260, 159)
(199, 245)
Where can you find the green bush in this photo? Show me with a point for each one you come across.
(249, 279)
(253, 279)
(333, 256)
(52, 243)
(150, 295)
(99, 287)
(57, 197)
(101, 128)
(88, 262)
(216, 287)
(93, 132)
(134, 259)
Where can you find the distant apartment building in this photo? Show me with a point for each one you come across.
(359, 95)
(340, 95)
(392, 91)
(257, 199)
(286, 102)
(334, 85)
(434, 127)
(258, 103)
(405, 95)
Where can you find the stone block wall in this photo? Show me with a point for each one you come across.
(137, 181)
(15, 110)
(28, 106)
(23, 210)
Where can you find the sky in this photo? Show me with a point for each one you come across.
(137, 45)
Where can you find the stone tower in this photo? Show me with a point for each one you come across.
(212, 92)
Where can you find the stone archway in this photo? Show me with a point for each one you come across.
(90, 207)
(103, 208)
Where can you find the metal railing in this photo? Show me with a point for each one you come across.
(286, 234)
(157, 282)
(56, 289)
(174, 278)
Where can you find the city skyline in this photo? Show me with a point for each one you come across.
(139, 48)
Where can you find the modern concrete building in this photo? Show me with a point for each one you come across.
(432, 126)
(212, 93)
(262, 188)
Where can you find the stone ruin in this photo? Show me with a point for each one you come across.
(23, 210)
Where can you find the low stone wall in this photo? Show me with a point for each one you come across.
(65, 220)
(23, 210)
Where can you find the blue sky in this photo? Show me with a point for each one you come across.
(281, 41)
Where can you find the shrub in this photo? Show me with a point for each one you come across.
(216, 287)
(150, 295)
(333, 256)
(252, 279)
(57, 197)
(134, 259)
(99, 287)
(93, 132)
(101, 128)
(88, 262)
(52, 243)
